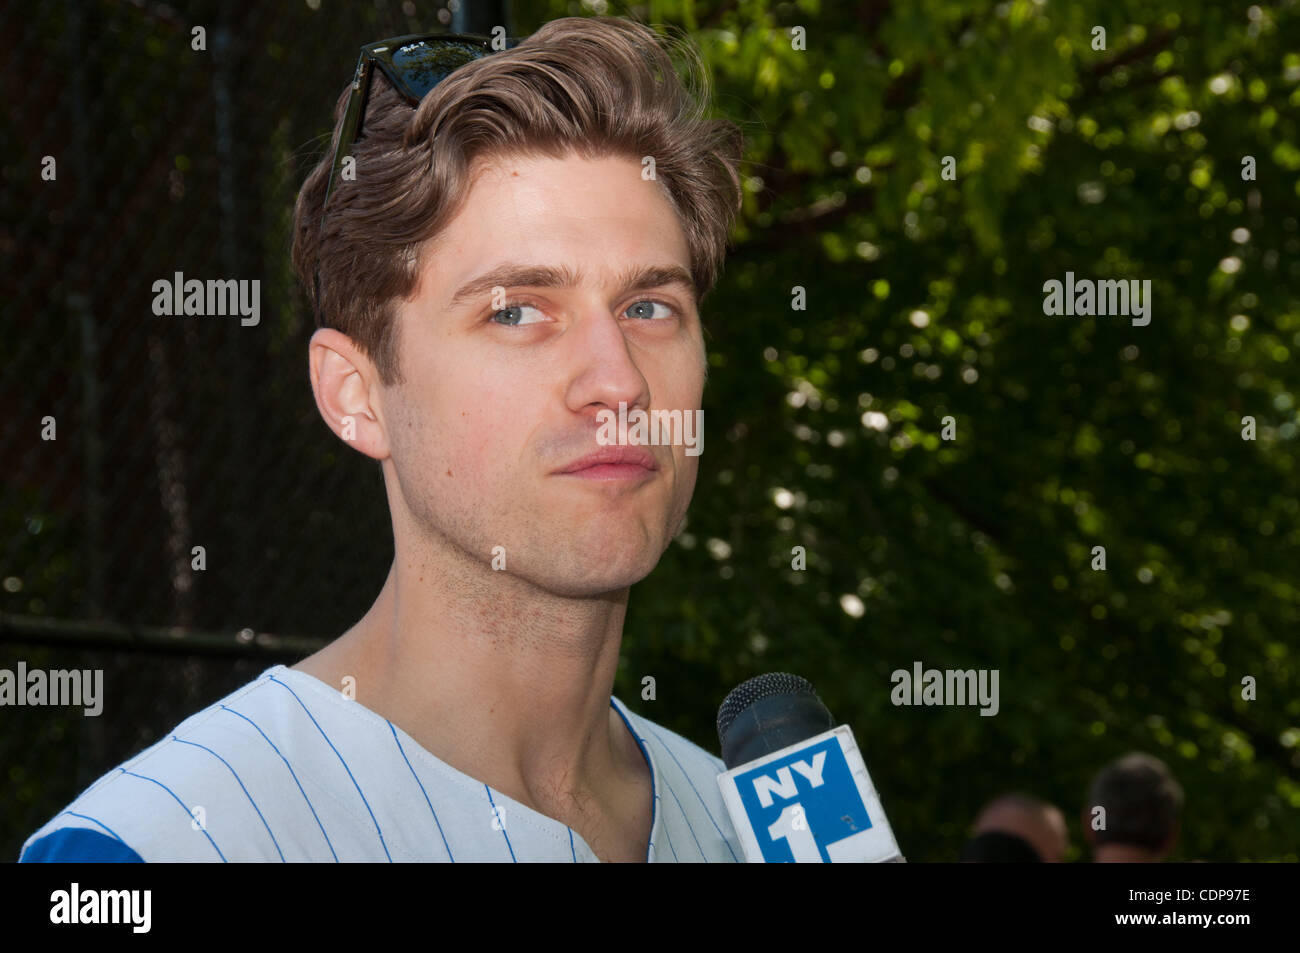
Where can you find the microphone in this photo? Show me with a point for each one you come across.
(796, 787)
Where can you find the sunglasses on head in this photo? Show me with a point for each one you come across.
(414, 65)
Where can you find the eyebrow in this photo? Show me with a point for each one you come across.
(511, 275)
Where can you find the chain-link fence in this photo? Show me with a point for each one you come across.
(174, 511)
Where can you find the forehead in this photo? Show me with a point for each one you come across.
(595, 217)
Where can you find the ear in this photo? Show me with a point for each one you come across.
(348, 392)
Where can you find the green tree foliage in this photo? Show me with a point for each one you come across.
(924, 297)
(925, 300)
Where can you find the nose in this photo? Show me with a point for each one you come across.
(605, 373)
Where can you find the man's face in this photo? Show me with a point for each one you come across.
(502, 391)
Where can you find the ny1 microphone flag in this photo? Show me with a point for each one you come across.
(810, 802)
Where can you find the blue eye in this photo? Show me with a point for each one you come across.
(650, 315)
(518, 319)
(513, 314)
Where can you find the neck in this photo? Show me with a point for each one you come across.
(499, 679)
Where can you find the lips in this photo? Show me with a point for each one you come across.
(613, 461)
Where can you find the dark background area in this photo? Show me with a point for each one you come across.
(924, 299)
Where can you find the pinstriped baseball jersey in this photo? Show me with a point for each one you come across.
(288, 769)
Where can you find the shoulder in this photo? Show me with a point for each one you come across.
(157, 805)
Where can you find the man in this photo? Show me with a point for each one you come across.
(1132, 814)
(500, 272)
(1018, 828)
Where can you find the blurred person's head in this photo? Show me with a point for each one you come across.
(1017, 827)
(1141, 803)
(525, 249)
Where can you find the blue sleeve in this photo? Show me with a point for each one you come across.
(79, 845)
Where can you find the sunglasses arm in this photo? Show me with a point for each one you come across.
(351, 123)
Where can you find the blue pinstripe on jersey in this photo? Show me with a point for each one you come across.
(293, 775)
(668, 836)
(654, 799)
(707, 812)
(503, 824)
(698, 845)
(93, 821)
(342, 762)
(188, 813)
(422, 790)
(274, 842)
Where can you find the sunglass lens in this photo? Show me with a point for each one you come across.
(423, 65)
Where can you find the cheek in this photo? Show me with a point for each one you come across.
(476, 437)
(467, 445)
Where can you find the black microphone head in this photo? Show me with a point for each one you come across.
(767, 713)
(756, 689)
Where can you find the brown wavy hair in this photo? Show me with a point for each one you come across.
(594, 86)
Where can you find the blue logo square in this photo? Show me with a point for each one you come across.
(815, 780)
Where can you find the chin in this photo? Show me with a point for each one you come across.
(592, 571)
